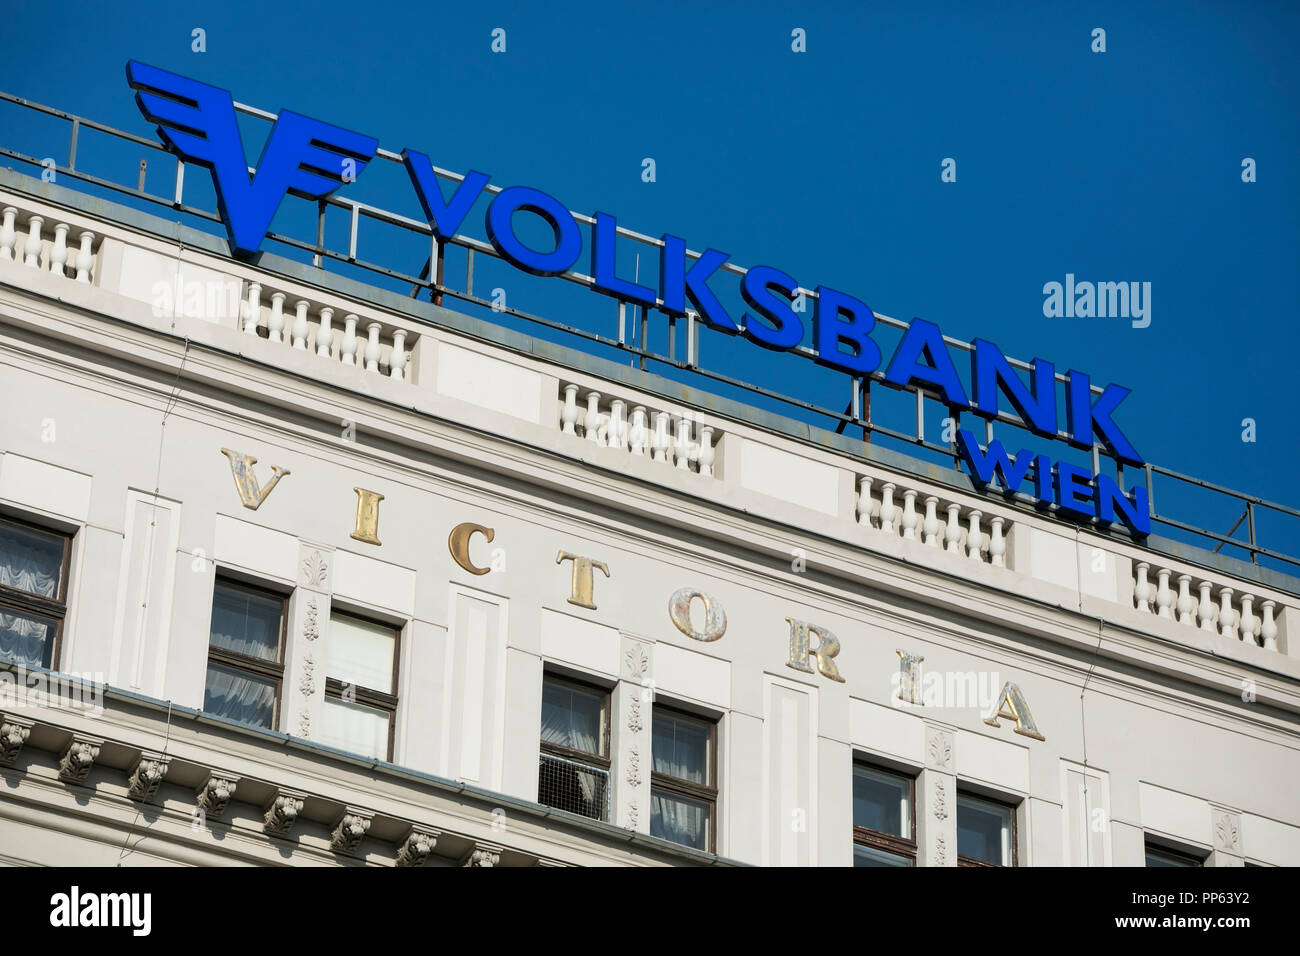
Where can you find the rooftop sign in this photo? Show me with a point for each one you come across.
(312, 159)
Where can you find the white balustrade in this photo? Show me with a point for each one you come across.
(345, 346)
(927, 526)
(60, 255)
(1232, 616)
(665, 437)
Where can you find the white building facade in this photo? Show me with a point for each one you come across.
(298, 571)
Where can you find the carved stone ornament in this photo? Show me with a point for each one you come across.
(215, 794)
(634, 716)
(315, 570)
(310, 626)
(939, 748)
(940, 852)
(633, 816)
(417, 846)
(637, 661)
(14, 732)
(1226, 832)
(633, 776)
(304, 723)
(940, 801)
(282, 813)
(350, 830)
(147, 776)
(78, 758)
(307, 682)
(482, 856)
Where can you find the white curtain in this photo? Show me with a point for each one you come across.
(678, 820)
(30, 564)
(24, 639)
(239, 697)
(571, 719)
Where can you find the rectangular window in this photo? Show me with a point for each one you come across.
(1161, 856)
(360, 686)
(884, 828)
(574, 748)
(683, 779)
(245, 654)
(33, 593)
(986, 832)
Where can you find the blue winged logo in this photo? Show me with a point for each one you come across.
(303, 156)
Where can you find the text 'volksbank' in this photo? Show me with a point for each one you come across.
(312, 159)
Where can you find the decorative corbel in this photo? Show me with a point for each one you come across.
(14, 731)
(215, 794)
(282, 812)
(483, 854)
(417, 846)
(146, 776)
(78, 757)
(350, 829)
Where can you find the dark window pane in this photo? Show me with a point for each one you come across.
(31, 561)
(983, 830)
(246, 622)
(573, 717)
(880, 802)
(681, 819)
(26, 639)
(240, 696)
(872, 856)
(681, 748)
(1157, 857)
(569, 785)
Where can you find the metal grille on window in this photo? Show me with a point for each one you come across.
(573, 786)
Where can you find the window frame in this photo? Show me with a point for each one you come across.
(1160, 849)
(878, 839)
(367, 696)
(255, 665)
(25, 602)
(1012, 811)
(601, 760)
(686, 788)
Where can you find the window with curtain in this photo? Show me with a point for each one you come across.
(986, 832)
(245, 654)
(33, 593)
(884, 827)
(574, 773)
(360, 686)
(683, 779)
(1163, 856)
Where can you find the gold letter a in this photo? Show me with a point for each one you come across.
(241, 466)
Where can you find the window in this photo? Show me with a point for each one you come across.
(245, 654)
(33, 593)
(884, 829)
(575, 748)
(360, 686)
(683, 780)
(1161, 856)
(986, 832)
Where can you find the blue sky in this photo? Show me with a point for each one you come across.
(1115, 166)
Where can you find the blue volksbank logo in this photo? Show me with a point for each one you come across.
(312, 159)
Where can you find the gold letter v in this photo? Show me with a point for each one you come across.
(241, 466)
